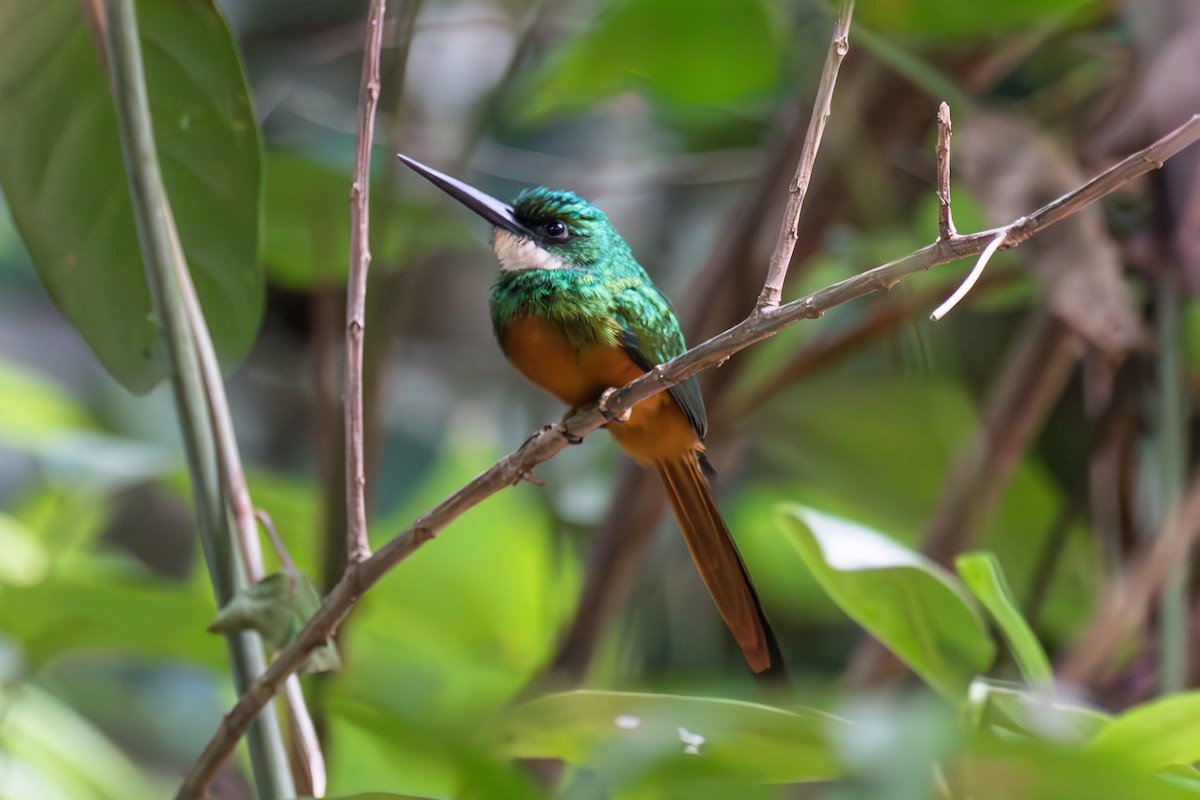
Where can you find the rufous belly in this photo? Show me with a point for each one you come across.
(657, 428)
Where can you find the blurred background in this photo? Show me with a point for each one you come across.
(1048, 418)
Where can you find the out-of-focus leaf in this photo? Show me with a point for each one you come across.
(306, 233)
(1004, 769)
(33, 408)
(448, 638)
(38, 417)
(277, 607)
(894, 744)
(1157, 734)
(1015, 708)
(630, 738)
(25, 561)
(710, 56)
(916, 608)
(981, 573)
(49, 751)
(63, 175)
(99, 600)
(947, 19)
(837, 426)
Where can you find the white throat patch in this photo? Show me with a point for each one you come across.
(516, 253)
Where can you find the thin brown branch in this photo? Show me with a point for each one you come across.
(552, 439)
(945, 218)
(357, 547)
(781, 259)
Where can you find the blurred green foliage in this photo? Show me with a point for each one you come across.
(62, 174)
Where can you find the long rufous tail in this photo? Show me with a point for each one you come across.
(718, 561)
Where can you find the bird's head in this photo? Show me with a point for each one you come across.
(543, 229)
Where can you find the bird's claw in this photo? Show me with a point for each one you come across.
(603, 407)
(566, 433)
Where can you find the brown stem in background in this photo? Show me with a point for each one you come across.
(1123, 608)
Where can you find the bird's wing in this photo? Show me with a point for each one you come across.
(651, 335)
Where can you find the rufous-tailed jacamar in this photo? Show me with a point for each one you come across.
(576, 314)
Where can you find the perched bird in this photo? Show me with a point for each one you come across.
(577, 315)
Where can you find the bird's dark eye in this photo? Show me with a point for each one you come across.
(556, 230)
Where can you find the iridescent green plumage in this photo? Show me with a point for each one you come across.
(603, 294)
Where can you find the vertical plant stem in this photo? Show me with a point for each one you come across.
(164, 265)
(357, 547)
(781, 259)
(1172, 466)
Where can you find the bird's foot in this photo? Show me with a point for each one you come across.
(565, 432)
(603, 407)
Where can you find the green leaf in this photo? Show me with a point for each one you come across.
(62, 173)
(1007, 769)
(33, 408)
(25, 561)
(49, 751)
(1011, 707)
(632, 737)
(96, 599)
(306, 235)
(981, 573)
(1155, 734)
(916, 608)
(710, 56)
(277, 607)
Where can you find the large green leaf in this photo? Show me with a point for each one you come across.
(630, 737)
(62, 173)
(916, 608)
(710, 55)
(1156, 734)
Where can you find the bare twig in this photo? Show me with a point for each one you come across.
(357, 547)
(781, 259)
(945, 218)
(551, 440)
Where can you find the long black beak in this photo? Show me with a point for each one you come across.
(494, 211)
